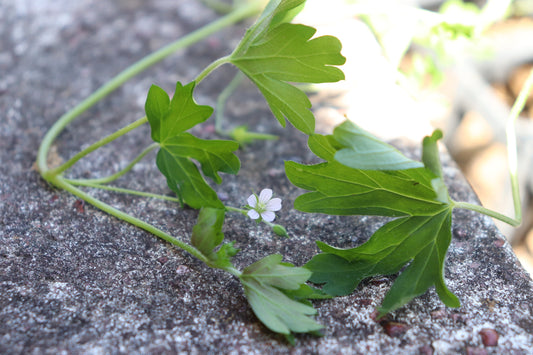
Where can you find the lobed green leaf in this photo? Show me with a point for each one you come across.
(264, 284)
(420, 241)
(363, 175)
(180, 114)
(169, 119)
(273, 52)
(341, 190)
(186, 181)
(213, 155)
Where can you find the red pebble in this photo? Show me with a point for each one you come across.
(489, 337)
(394, 329)
(499, 242)
(79, 206)
(475, 351)
(426, 350)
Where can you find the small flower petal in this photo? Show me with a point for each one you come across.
(265, 195)
(253, 214)
(268, 216)
(252, 201)
(274, 204)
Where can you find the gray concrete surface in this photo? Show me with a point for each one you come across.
(75, 280)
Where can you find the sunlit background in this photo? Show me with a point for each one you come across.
(413, 66)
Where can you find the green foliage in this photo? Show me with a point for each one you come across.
(207, 235)
(264, 284)
(169, 119)
(420, 238)
(273, 52)
(366, 152)
(360, 175)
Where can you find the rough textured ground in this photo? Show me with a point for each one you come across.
(75, 280)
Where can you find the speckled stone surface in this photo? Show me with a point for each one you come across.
(75, 280)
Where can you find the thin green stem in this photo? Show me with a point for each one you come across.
(518, 106)
(63, 184)
(235, 209)
(512, 154)
(210, 68)
(486, 211)
(108, 179)
(94, 185)
(97, 145)
(238, 14)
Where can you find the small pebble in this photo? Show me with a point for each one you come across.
(379, 280)
(499, 242)
(438, 313)
(426, 350)
(394, 329)
(470, 350)
(489, 337)
(364, 302)
(79, 206)
(182, 269)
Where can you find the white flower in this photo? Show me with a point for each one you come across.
(263, 206)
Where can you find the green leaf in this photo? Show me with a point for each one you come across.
(341, 190)
(306, 292)
(272, 271)
(273, 52)
(213, 155)
(186, 181)
(207, 233)
(364, 151)
(276, 12)
(180, 114)
(324, 146)
(222, 258)
(431, 160)
(420, 241)
(264, 284)
(169, 119)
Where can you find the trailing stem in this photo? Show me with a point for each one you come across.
(510, 131)
(54, 175)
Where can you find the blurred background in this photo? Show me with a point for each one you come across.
(413, 66)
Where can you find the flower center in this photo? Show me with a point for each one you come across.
(260, 207)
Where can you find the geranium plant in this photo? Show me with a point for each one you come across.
(360, 175)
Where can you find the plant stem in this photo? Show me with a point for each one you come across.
(108, 179)
(486, 211)
(95, 185)
(518, 106)
(510, 132)
(97, 145)
(235, 209)
(210, 68)
(238, 14)
(63, 184)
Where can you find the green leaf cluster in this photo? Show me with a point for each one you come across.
(169, 119)
(277, 292)
(274, 52)
(363, 175)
